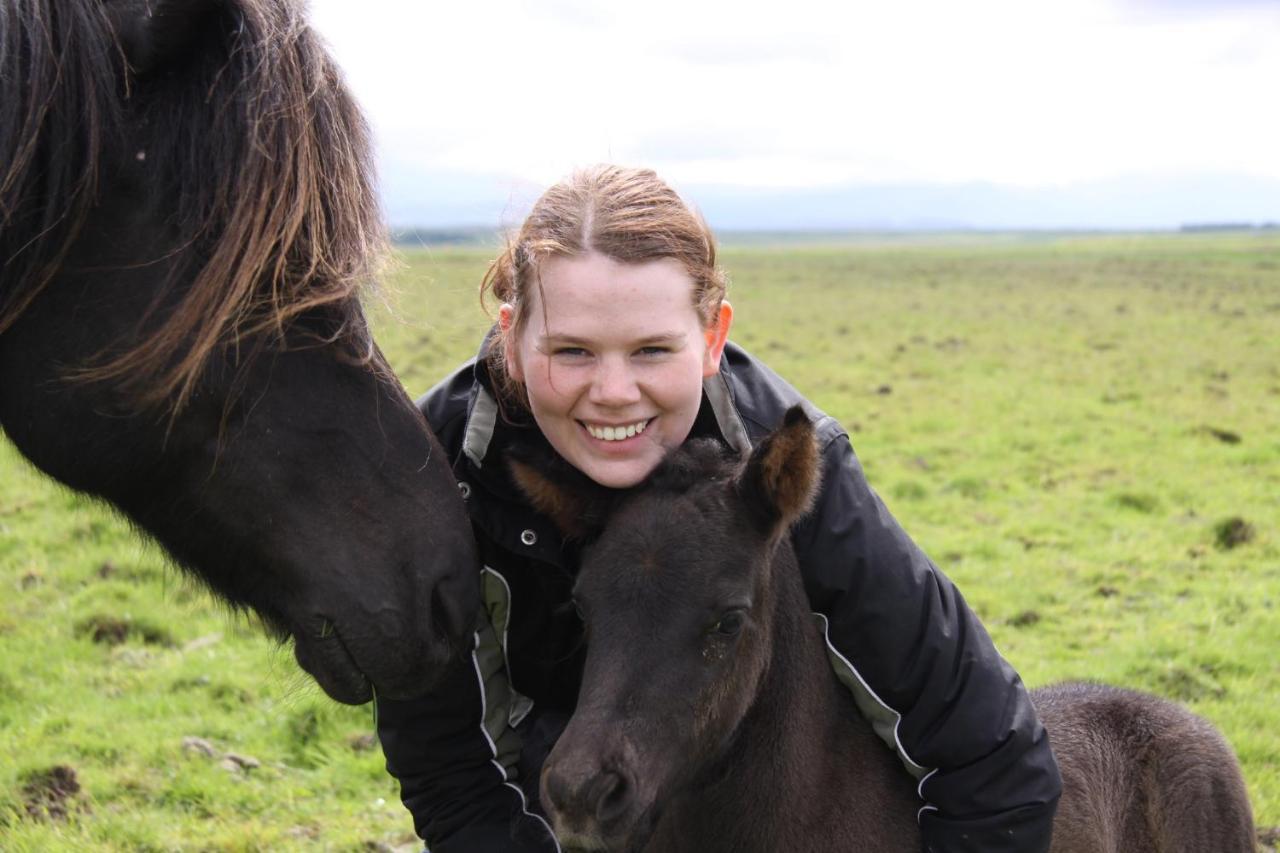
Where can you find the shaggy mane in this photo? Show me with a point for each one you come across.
(263, 150)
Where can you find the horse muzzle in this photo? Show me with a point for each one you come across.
(381, 655)
(596, 807)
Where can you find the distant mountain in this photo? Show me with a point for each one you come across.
(418, 198)
(445, 236)
(424, 199)
(1125, 203)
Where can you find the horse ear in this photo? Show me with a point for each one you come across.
(573, 501)
(153, 33)
(780, 479)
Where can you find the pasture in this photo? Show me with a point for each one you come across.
(1080, 430)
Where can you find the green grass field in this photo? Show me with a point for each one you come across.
(1084, 432)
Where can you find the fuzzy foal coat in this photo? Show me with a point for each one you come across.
(803, 770)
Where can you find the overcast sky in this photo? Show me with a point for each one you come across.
(510, 95)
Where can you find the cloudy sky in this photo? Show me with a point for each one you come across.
(476, 105)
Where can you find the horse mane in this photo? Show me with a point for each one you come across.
(263, 150)
(695, 462)
(58, 106)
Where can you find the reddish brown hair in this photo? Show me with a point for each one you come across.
(627, 214)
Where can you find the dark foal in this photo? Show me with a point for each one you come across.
(187, 216)
(709, 718)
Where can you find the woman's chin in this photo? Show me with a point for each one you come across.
(619, 468)
(618, 474)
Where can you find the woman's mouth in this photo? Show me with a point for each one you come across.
(620, 432)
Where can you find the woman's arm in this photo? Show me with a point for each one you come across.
(455, 755)
(926, 673)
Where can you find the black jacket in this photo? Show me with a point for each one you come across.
(921, 667)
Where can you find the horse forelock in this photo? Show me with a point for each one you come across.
(270, 163)
(696, 462)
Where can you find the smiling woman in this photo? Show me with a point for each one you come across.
(612, 357)
(609, 353)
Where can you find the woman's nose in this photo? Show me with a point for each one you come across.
(614, 383)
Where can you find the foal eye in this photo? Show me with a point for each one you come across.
(729, 624)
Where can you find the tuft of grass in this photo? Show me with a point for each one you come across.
(1145, 503)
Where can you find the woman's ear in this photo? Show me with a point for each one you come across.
(717, 335)
(507, 328)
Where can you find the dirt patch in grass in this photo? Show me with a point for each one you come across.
(51, 793)
(112, 631)
(362, 743)
(1226, 436)
(1025, 619)
(1232, 532)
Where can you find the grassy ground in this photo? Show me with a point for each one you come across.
(1081, 431)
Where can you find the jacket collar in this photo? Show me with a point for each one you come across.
(481, 423)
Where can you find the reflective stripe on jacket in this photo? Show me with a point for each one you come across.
(921, 667)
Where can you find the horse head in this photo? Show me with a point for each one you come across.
(187, 216)
(677, 591)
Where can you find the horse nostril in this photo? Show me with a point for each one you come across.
(611, 795)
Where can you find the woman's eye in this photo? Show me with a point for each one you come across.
(651, 351)
(570, 352)
(729, 624)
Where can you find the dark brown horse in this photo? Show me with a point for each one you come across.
(186, 217)
(709, 718)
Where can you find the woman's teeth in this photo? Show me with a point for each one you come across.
(616, 433)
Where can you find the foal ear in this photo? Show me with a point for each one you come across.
(153, 33)
(573, 501)
(780, 479)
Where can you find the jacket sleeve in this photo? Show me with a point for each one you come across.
(455, 756)
(926, 673)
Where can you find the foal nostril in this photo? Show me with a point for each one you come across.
(601, 796)
(611, 794)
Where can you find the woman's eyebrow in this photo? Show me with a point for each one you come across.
(663, 338)
(668, 338)
(561, 340)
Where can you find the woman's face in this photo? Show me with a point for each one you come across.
(613, 356)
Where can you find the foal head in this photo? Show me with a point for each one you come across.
(679, 599)
(187, 214)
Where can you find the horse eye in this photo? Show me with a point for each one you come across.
(729, 624)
